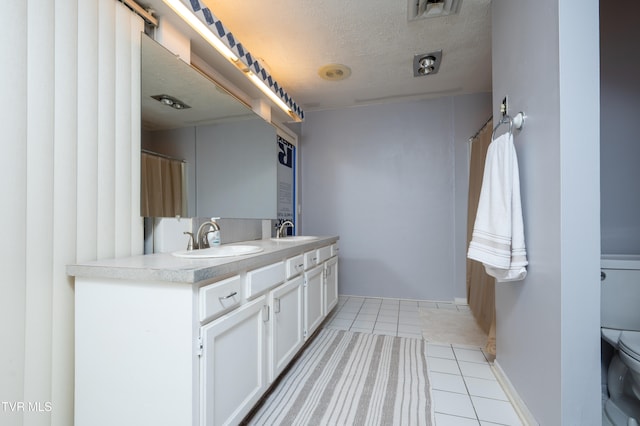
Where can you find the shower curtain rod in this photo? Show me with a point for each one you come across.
(481, 129)
(156, 154)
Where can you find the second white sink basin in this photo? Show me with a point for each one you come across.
(218, 251)
(295, 238)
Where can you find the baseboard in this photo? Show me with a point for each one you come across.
(518, 404)
(460, 301)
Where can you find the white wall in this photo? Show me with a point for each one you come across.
(619, 126)
(384, 177)
(69, 77)
(548, 337)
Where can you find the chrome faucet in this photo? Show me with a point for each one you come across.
(201, 240)
(286, 224)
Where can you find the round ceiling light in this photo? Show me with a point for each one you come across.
(334, 72)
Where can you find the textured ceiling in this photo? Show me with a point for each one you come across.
(294, 38)
(375, 38)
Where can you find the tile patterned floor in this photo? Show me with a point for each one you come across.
(464, 388)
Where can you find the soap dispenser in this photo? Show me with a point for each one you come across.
(214, 240)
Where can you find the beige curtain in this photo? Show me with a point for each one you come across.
(162, 187)
(480, 285)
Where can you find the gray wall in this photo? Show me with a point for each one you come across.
(620, 126)
(548, 336)
(231, 167)
(236, 170)
(384, 178)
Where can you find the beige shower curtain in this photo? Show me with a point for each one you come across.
(480, 285)
(162, 188)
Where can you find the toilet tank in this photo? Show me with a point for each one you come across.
(620, 292)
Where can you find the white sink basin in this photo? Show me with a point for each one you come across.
(295, 239)
(218, 251)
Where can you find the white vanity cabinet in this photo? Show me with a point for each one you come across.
(295, 265)
(264, 278)
(313, 300)
(286, 325)
(219, 297)
(197, 343)
(330, 284)
(233, 376)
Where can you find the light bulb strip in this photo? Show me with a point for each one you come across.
(267, 91)
(208, 26)
(195, 23)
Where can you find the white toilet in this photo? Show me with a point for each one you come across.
(620, 326)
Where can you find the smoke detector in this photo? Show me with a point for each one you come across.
(421, 9)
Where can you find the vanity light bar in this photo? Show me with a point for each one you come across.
(195, 23)
(244, 62)
(263, 87)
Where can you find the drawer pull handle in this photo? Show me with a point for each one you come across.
(228, 297)
(300, 266)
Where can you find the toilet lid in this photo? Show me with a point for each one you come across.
(630, 343)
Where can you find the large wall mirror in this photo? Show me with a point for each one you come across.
(222, 156)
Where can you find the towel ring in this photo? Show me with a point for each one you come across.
(517, 121)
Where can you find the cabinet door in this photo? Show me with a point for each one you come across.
(330, 284)
(232, 365)
(286, 326)
(313, 303)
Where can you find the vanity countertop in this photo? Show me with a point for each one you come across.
(166, 267)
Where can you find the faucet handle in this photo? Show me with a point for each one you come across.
(191, 240)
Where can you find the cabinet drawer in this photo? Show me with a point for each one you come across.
(219, 296)
(324, 253)
(262, 279)
(294, 266)
(334, 249)
(310, 259)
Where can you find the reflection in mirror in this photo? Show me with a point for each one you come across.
(228, 153)
(163, 186)
(236, 170)
(164, 74)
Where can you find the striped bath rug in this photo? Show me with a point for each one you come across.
(348, 378)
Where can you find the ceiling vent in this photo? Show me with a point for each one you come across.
(421, 9)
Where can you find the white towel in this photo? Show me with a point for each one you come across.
(498, 233)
